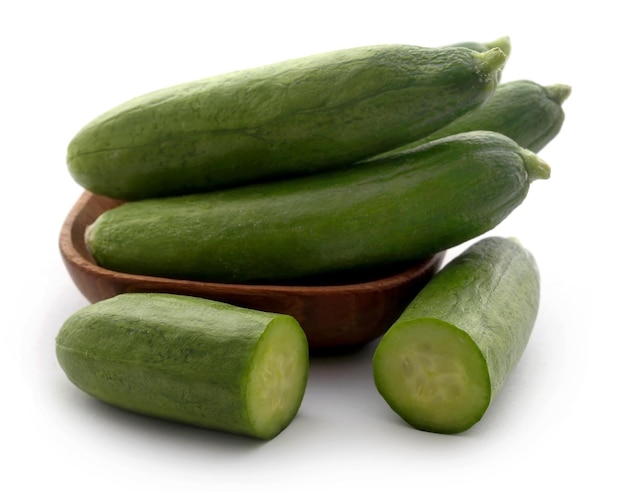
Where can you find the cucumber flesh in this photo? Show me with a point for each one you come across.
(277, 378)
(432, 375)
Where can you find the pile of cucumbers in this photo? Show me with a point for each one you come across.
(329, 164)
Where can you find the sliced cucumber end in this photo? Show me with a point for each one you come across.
(277, 377)
(433, 375)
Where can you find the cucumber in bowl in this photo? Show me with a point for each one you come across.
(393, 210)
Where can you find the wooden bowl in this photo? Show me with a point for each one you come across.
(337, 316)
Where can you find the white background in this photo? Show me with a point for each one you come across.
(559, 421)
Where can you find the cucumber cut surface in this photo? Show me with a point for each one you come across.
(277, 377)
(432, 375)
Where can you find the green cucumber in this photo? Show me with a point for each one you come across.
(189, 360)
(389, 211)
(449, 353)
(527, 112)
(291, 118)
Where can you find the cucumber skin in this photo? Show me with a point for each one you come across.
(527, 112)
(168, 356)
(296, 117)
(399, 209)
(491, 291)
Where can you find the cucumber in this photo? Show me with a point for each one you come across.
(449, 353)
(388, 211)
(188, 360)
(295, 117)
(527, 112)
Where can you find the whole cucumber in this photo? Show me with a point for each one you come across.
(189, 360)
(399, 209)
(295, 117)
(450, 352)
(527, 112)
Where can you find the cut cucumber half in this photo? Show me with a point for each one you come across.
(449, 353)
(190, 360)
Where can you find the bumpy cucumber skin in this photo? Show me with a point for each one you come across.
(527, 112)
(394, 210)
(296, 117)
(173, 357)
(492, 292)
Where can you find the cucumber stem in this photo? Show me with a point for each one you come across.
(504, 43)
(536, 167)
(558, 92)
(489, 63)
